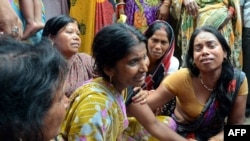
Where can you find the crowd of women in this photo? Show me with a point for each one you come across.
(124, 87)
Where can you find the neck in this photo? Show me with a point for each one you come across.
(205, 86)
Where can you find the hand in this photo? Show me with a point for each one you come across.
(191, 7)
(141, 96)
(10, 23)
(163, 12)
(226, 21)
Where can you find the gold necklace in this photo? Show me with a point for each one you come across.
(205, 86)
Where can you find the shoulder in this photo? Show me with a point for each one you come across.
(178, 76)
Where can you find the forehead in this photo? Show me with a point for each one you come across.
(205, 36)
(137, 49)
(160, 32)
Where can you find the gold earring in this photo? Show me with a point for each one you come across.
(110, 79)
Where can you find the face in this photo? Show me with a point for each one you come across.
(56, 114)
(131, 70)
(68, 40)
(157, 44)
(208, 52)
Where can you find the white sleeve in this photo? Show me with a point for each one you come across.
(174, 65)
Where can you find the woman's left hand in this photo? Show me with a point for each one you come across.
(141, 96)
(191, 7)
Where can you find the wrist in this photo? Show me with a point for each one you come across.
(166, 3)
(120, 5)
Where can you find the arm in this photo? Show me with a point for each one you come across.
(191, 7)
(120, 6)
(155, 98)
(147, 119)
(9, 19)
(164, 9)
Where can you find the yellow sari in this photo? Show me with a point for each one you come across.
(92, 15)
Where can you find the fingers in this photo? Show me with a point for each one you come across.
(140, 97)
(192, 7)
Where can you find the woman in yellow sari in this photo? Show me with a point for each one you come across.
(92, 16)
(222, 14)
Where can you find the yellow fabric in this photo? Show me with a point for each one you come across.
(97, 112)
(186, 99)
(136, 132)
(211, 12)
(84, 12)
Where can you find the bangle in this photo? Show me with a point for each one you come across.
(166, 3)
(231, 9)
(120, 4)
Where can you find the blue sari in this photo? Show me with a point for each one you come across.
(36, 37)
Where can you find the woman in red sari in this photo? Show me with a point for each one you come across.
(162, 62)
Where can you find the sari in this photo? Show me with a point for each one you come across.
(154, 78)
(212, 119)
(36, 37)
(135, 130)
(211, 12)
(97, 112)
(81, 68)
(92, 16)
(141, 13)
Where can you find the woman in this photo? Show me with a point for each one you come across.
(208, 92)
(64, 33)
(221, 14)
(142, 13)
(92, 15)
(33, 104)
(121, 59)
(161, 46)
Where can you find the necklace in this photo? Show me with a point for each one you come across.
(205, 86)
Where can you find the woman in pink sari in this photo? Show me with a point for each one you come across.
(64, 32)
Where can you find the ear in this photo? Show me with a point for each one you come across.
(109, 71)
(225, 54)
(52, 38)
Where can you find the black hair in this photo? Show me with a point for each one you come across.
(112, 43)
(158, 24)
(30, 76)
(227, 67)
(54, 24)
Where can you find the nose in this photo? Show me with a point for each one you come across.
(144, 65)
(205, 51)
(76, 36)
(158, 45)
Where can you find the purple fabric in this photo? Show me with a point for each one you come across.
(150, 11)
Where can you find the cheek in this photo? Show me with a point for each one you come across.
(164, 47)
(54, 119)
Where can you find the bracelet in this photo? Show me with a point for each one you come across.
(119, 4)
(231, 9)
